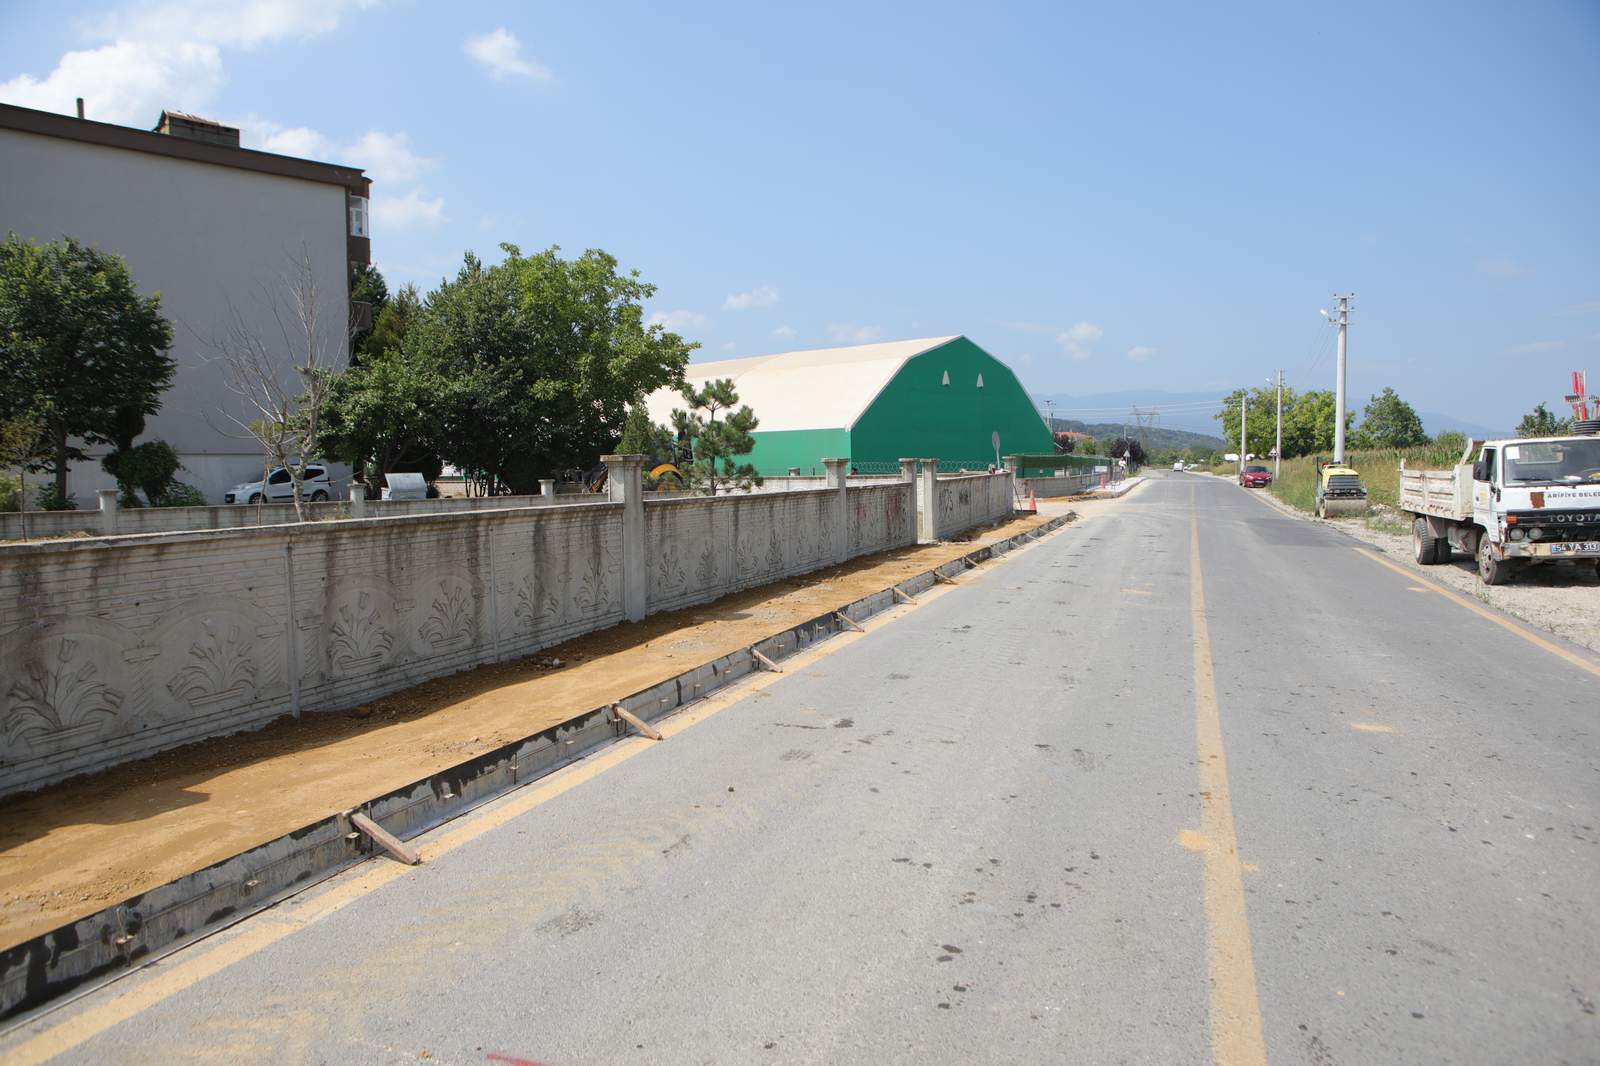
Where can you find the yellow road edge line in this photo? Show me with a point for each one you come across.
(1484, 612)
(189, 966)
(1236, 1032)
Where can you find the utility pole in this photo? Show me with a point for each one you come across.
(1243, 395)
(1341, 319)
(1277, 450)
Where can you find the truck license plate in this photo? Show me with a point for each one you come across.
(1575, 546)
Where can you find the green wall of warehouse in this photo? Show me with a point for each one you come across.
(917, 415)
(777, 451)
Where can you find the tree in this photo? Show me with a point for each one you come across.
(380, 417)
(381, 414)
(1389, 422)
(390, 326)
(537, 360)
(78, 345)
(282, 375)
(1128, 448)
(151, 467)
(1308, 419)
(715, 444)
(18, 440)
(367, 286)
(1540, 422)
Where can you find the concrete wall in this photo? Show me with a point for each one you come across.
(16, 525)
(967, 500)
(114, 648)
(207, 238)
(1070, 485)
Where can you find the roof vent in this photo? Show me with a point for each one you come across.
(195, 128)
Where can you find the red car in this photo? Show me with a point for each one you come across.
(1255, 477)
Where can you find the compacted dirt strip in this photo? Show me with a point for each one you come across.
(72, 849)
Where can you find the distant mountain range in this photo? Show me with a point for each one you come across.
(1194, 413)
(1155, 437)
(1190, 411)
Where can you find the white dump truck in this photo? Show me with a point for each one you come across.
(1510, 504)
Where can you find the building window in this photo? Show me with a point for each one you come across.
(946, 380)
(980, 381)
(358, 216)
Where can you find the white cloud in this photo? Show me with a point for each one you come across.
(128, 82)
(678, 321)
(1078, 340)
(500, 53)
(407, 210)
(398, 199)
(762, 296)
(1502, 268)
(150, 57)
(786, 332)
(844, 333)
(387, 157)
(1139, 353)
(300, 141)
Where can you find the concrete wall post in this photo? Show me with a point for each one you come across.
(928, 512)
(108, 511)
(908, 474)
(358, 500)
(547, 489)
(838, 481)
(625, 485)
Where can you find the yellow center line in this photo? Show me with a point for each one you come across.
(1483, 612)
(1236, 1036)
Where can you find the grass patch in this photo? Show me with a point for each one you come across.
(1380, 473)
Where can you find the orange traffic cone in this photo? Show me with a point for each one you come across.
(1033, 502)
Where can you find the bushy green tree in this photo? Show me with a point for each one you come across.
(1308, 419)
(1540, 422)
(382, 415)
(1389, 422)
(536, 361)
(79, 348)
(151, 468)
(717, 430)
(367, 286)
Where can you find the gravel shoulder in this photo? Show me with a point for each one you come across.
(1562, 599)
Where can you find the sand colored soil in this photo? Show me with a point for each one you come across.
(74, 848)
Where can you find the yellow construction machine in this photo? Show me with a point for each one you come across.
(1340, 492)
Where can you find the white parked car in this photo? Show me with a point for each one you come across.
(315, 486)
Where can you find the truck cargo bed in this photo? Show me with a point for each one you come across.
(1441, 493)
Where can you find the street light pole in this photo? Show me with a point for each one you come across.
(1277, 450)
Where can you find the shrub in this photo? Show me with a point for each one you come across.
(151, 467)
(182, 494)
(47, 500)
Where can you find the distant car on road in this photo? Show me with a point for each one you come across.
(1255, 477)
(315, 486)
(1178, 465)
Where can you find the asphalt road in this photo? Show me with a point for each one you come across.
(1009, 825)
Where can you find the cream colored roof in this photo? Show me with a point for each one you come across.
(825, 388)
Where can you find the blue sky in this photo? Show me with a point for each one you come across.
(1107, 196)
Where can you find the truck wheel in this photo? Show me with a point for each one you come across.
(1423, 543)
(1492, 571)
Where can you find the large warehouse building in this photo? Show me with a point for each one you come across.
(941, 397)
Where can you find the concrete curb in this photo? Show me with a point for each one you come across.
(140, 929)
